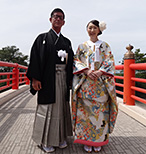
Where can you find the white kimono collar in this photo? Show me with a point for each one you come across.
(91, 44)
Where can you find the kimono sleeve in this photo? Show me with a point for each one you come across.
(34, 65)
(108, 64)
(113, 105)
(80, 60)
(108, 69)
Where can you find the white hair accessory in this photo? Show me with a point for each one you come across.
(102, 26)
(62, 54)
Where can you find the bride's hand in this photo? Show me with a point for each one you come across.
(93, 74)
(90, 74)
(98, 73)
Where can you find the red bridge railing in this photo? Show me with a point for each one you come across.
(17, 76)
(13, 78)
(129, 79)
(119, 67)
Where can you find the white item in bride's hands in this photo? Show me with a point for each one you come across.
(97, 54)
(92, 66)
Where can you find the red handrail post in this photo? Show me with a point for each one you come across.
(27, 81)
(20, 78)
(8, 82)
(128, 74)
(16, 78)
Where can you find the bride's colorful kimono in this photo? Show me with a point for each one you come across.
(94, 104)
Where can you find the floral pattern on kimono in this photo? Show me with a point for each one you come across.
(94, 104)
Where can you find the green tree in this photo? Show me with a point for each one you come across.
(13, 55)
(140, 57)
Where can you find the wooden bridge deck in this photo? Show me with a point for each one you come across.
(16, 124)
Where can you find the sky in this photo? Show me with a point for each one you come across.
(21, 21)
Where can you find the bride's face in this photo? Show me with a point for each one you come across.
(93, 30)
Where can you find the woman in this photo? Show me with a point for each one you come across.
(94, 105)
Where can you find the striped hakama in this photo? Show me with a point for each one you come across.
(52, 122)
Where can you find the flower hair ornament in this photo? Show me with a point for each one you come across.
(102, 26)
(62, 54)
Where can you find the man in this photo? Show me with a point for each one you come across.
(50, 72)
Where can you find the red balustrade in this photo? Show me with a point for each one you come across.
(129, 80)
(16, 77)
(13, 78)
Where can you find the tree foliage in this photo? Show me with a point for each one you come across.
(13, 55)
(140, 57)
